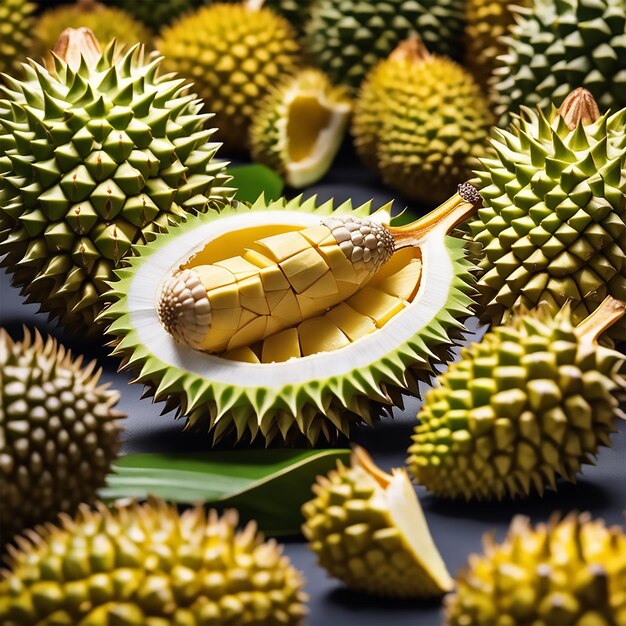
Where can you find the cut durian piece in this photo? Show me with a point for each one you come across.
(306, 383)
(299, 127)
(368, 529)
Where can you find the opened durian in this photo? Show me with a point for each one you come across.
(156, 13)
(530, 403)
(234, 54)
(263, 321)
(96, 156)
(421, 121)
(570, 572)
(299, 127)
(367, 528)
(556, 46)
(346, 39)
(297, 12)
(16, 22)
(148, 565)
(107, 23)
(59, 431)
(553, 223)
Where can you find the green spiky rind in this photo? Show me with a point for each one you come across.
(148, 565)
(268, 133)
(314, 410)
(93, 162)
(487, 22)
(567, 572)
(355, 540)
(16, 21)
(157, 13)
(560, 45)
(529, 403)
(234, 55)
(348, 38)
(107, 23)
(297, 12)
(59, 431)
(553, 224)
(422, 124)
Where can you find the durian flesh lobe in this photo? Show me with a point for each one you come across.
(347, 364)
(95, 160)
(569, 572)
(149, 565)
(531, 403)
(367, 528)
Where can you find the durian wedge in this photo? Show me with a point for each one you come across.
(299, 128)
(368, 529)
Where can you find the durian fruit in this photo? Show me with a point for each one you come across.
(553, 225)
(16, 22)
(297, 12)
(570, 572)
(149, 565)
(346, 39)
(421, 121)
(107, 23)
(530, 403)
(95, 159)
(237, 276)
(234, 54)
(299, 127)
(487, 22)
(156, 13)
(368, 530)
(59, 431)
(556, 46)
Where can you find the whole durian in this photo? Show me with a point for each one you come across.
(297, 12)
(346, 39)
(59, 431)
(421, 121)
(556, 46)
(487, 23)
(570, 572)
(148, 565)
(16, 22)
(299, 127)
(553, 224)
(530, 403)
(95, 159)
(156, 13)
(367, 528)
(234, 54)
(107, 23)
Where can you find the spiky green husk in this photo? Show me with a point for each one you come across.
(529, 403)
(554, 219)
(59, 431)
(569, 573)
(16, 21)
(93, 162)
(107, 23)
(157, 13)
(422, 124)
(320, 406)
(234, 55)
(348, 38)
(557, 46)
(487, 22)
(148, 565)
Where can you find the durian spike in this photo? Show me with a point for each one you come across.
(579, 107)
(448, 215)
(411, 49)
(361, 458)
(601, 319)
(75, 44)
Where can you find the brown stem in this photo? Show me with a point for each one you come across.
(579, 107)
(411, 49)
(75, 44)
(602, 318)
(362, 459)
(448, 215)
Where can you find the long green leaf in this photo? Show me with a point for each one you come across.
(269, 486)
(253, 180)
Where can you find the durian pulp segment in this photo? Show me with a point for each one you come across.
(315, 129)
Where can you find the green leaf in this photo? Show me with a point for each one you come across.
(253, 180)
(268, 486)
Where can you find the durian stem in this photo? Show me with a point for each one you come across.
(76, 44)
(446, 216)
(254, 5)
(411, 49)
(603, 317)
(362, 459)
(579, 107)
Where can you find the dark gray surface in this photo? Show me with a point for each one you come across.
(456, 527)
